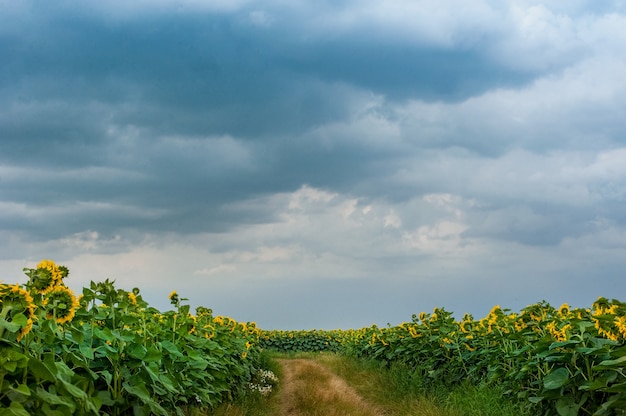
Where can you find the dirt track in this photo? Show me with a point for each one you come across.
(309, 388)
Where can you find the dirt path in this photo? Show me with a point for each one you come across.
(309, 388)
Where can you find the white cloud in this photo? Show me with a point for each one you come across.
(538, 38)
(423, 22)
(578, 108)
(516, 192)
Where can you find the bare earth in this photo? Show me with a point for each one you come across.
(309, 388)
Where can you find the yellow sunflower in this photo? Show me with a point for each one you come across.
(45, 277)
(564, 310)
(14, 300)
(173, 298)
(466, 327)
(61, 304)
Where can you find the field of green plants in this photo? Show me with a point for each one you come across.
(551, 361)
(107, 352)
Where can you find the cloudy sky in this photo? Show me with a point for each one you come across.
(318, 164)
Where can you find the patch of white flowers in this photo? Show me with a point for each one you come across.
(264, 382)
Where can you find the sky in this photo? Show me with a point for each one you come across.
(327, 164)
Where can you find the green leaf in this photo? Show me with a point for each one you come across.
(79, 394)
(617, 388)
(137, 351)
(161, 378)
(10, 366)
(171, 348)
(40, 370)
(20, 319)
(73, 390)
(77, 335)
(601, 381)
(22, 389)
(607, 364)
(15, 409)
(9, 326)
(108, 377)
(561, 344)
(54, 399)
(566, 406)
(86, 351)
(105, 398)
(63, 371)
(143, 394)
(152, 354)
(104, 334)
(139, 390)
(556, 379)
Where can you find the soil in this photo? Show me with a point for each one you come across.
(309, 388)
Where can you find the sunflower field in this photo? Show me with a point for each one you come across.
(108, 352)
(552, 361)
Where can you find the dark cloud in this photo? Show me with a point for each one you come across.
(408, 71)
(363, 138)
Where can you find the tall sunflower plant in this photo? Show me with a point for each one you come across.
(108, 352)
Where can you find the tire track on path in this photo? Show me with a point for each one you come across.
(308, 388)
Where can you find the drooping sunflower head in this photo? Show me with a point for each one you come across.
(620, 324)
(496, 310)
(45, 277)
(132, 298)
(600, 306)
(466, 327)
(16, 301)
(61, 304)
(204, 312)
(173, 297)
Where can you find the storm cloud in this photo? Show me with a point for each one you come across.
(328, 164)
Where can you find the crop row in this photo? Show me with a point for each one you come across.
(553, 361)
(109, 353)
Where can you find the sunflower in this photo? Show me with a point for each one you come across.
(620, 324)
(173, 297)
(61, 304)
(600, 306)
(14, 300)
(45, 277)
(25, 330)
(564, 310)
(132, 298)
(605, 328)
(466, 327)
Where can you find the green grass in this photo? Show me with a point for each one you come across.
(253, 403)
(402, 391)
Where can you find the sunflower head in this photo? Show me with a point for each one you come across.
(60, 304)
(564, 310)
(16, 302)
(46, 276)
(466, 327)
(600, 306)
(173, 297)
